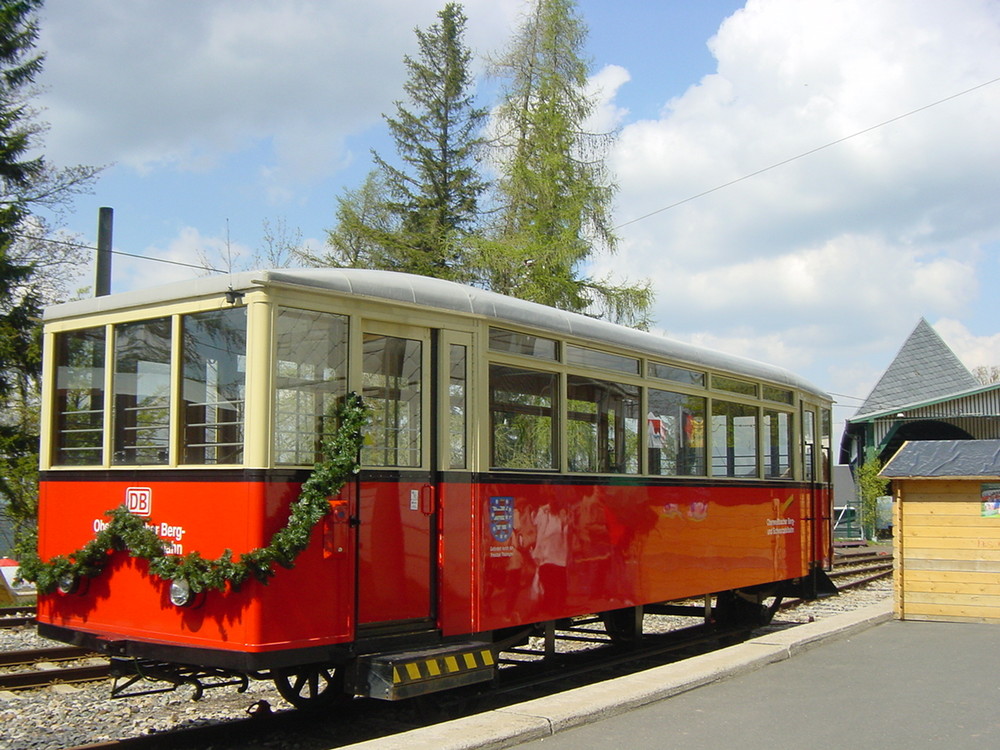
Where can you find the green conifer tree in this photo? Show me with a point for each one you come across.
(27, 182)
(425, 207)
(554, 194)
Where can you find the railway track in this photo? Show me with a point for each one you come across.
(13, 617)
(860, 567)
(42, 667)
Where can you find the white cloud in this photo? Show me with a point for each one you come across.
(189, 254)
(188, 82)
(858, 240)
(603, 86)
(974, 351)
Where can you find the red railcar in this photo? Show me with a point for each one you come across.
(520, 466)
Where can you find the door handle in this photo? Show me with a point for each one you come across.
(337, 525)
(427, 499)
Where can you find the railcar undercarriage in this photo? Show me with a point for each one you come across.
(397, 674)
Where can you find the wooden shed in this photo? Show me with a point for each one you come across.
(946, 541)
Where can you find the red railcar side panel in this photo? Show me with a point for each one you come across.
(543, 552)
(394, 549)
(309, 605)
(508, 554)
(460, 587)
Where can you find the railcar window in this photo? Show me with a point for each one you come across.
(214, 346)
(825, 430)
(311, 375)
(457, 406)
(734, 439)
(777, 444)
(676, 426)
(602, 429)
(392, 376)
(676, 374)
(732, 385)
(779, 395)
(523, 427)
(502, 340)
(80, 397)
(578, 355)
(809, 444)
(142, 392)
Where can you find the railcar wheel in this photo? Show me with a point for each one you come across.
(732, 609)
(623, 625)
(311, 686)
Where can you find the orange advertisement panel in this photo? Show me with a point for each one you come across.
(549, 551)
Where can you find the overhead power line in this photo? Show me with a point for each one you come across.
(807, 153)
(844, 395)
(84, 246)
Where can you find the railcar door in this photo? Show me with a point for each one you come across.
(397, 503)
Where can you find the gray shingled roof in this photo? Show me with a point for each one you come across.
(925, 369)
(945, 458)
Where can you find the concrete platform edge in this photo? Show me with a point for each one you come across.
(542, 717)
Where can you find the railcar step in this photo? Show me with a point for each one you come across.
(397, 675)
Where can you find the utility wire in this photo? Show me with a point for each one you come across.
(83, 246)
(807, 153)
(844, 395)
(171, 262)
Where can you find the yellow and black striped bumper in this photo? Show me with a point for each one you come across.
(403, 675)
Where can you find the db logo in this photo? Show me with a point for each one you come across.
(139, 500)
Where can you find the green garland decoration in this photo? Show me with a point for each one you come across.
(130, 532)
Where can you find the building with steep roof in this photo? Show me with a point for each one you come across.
(925, 394)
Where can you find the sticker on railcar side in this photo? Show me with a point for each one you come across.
(776, 526)
(779, 524)
(170, 535)
(502, 525)
(139, 501)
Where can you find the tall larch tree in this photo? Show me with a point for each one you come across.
(416, 216)
(27, 183)
(553, 193)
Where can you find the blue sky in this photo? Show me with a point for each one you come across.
(214, 117)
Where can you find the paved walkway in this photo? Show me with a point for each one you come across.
(898, 685)
(856, 679)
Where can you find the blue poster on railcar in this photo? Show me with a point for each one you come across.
(502, 518)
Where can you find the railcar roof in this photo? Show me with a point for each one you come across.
(441, 294)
